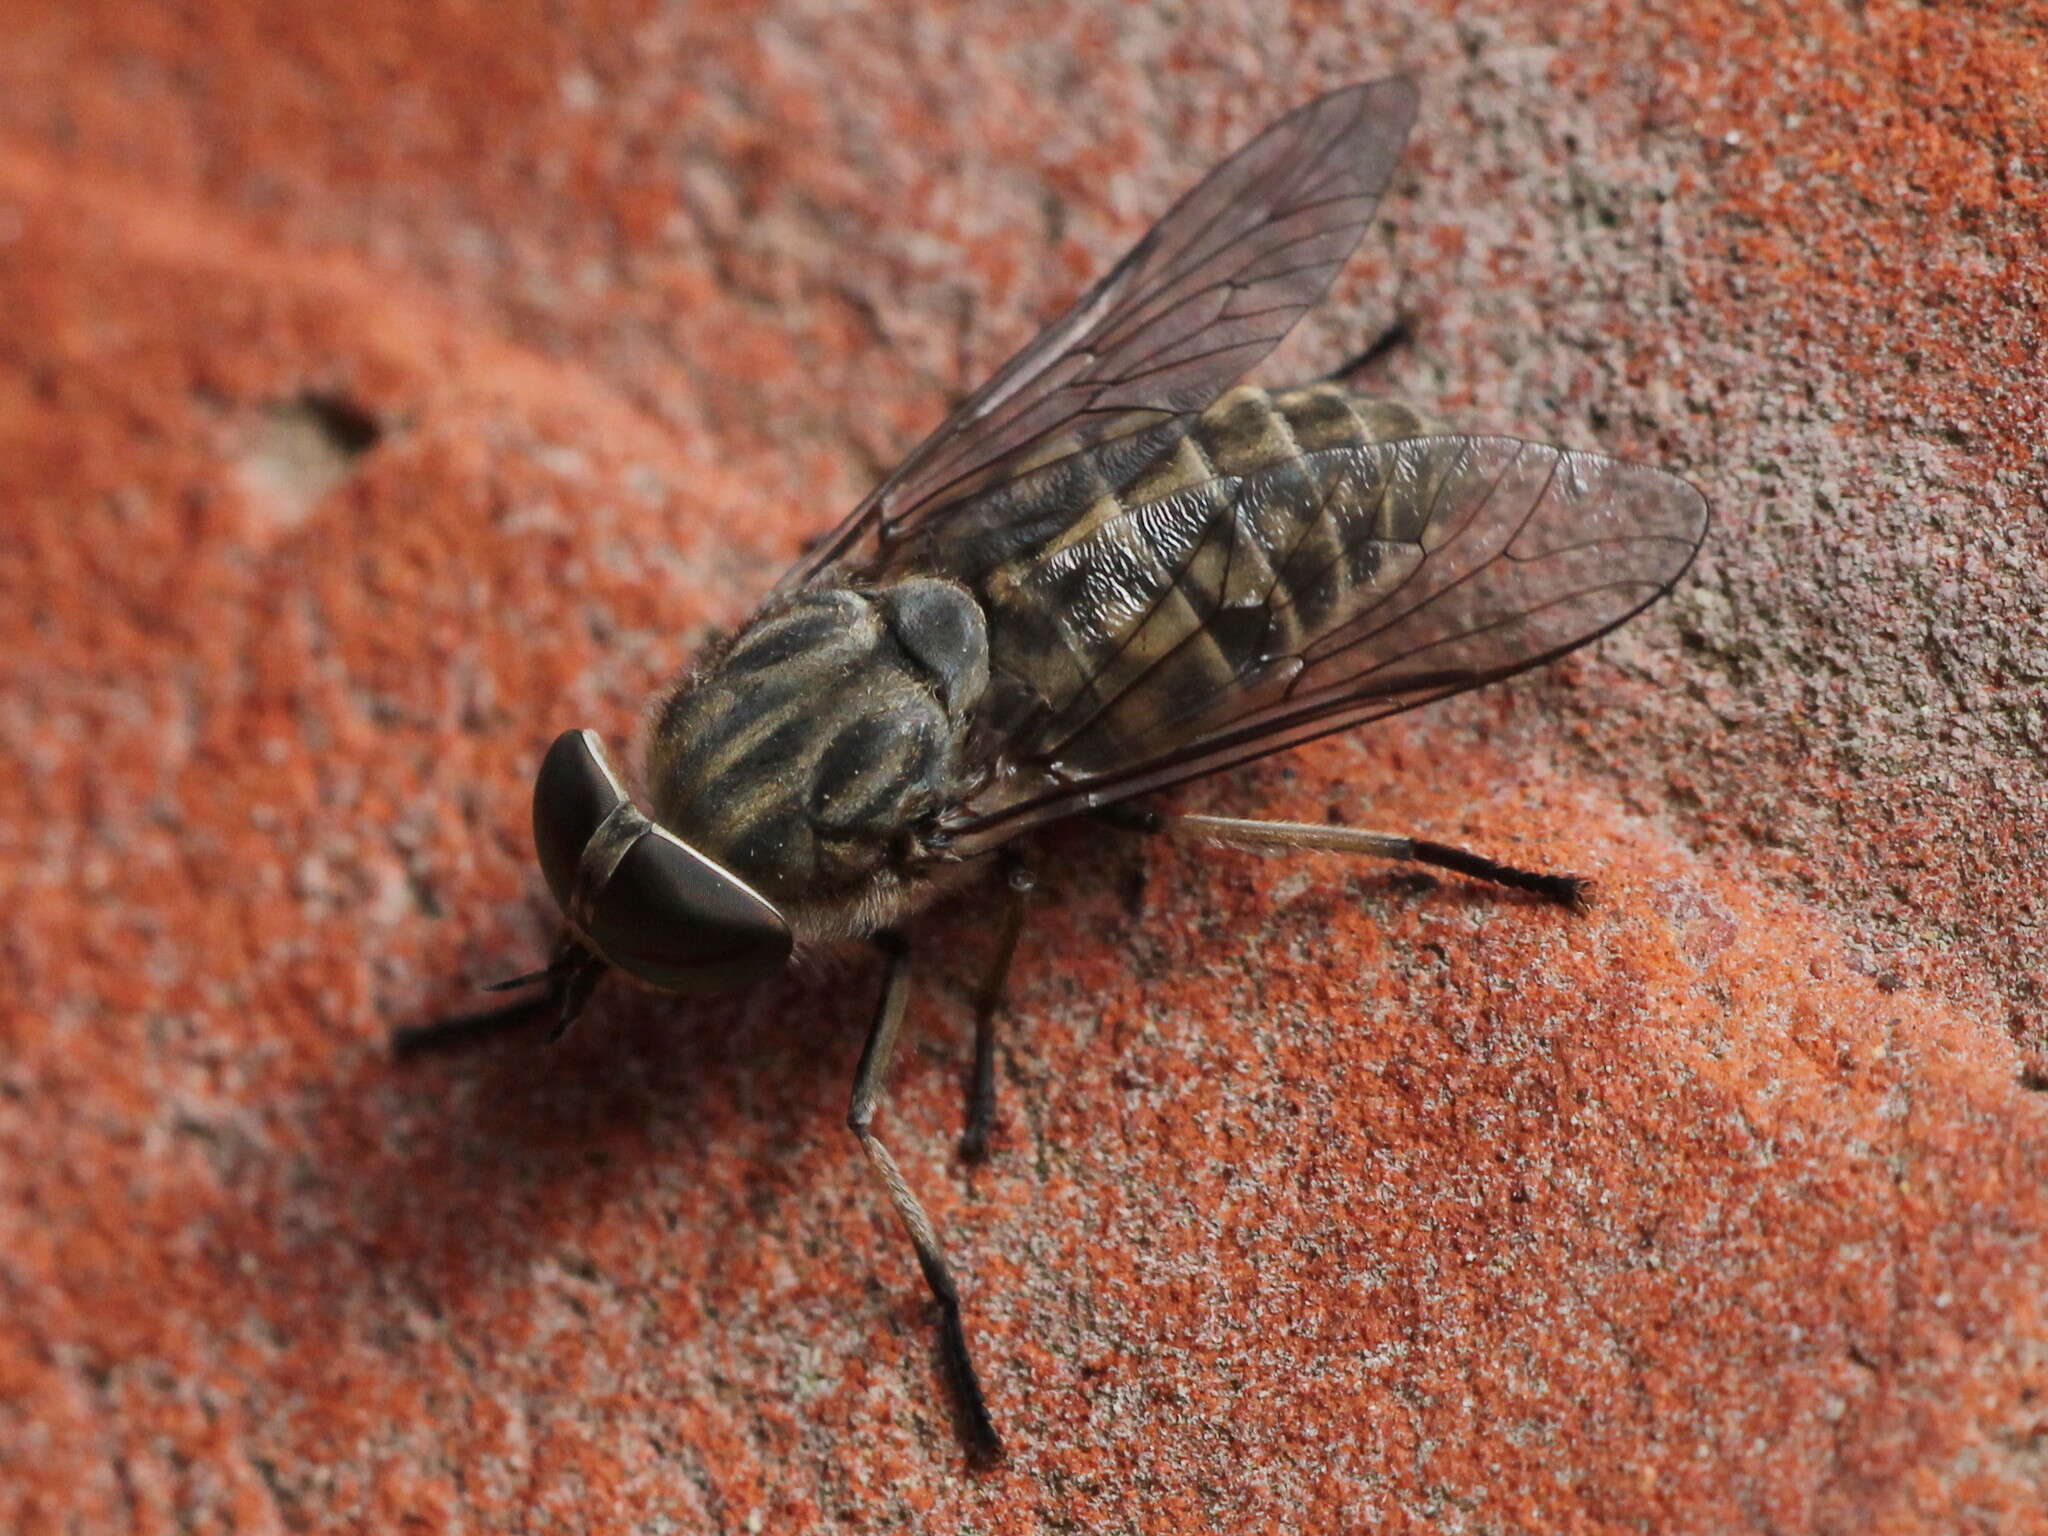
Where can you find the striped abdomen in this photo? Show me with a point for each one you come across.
(1210, 573)
(805, 756)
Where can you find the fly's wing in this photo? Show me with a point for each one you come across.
(1199, 300)
(1245, 614)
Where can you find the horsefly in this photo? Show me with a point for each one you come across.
(1113, 568)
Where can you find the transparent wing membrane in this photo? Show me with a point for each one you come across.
(1152, 617)
(1204, 296)
(1248, 613)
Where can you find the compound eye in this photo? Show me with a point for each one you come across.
(671, 917)
(574, 792)
(643, 899)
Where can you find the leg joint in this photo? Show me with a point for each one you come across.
(1131, 818)
(939, 1278)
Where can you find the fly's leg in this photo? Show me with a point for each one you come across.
(1383, 346)
(981, 1088)
(1306, 836)
(985, 1444)
(565, 986)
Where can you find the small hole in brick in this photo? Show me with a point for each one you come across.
(302, 448)
(351, 429)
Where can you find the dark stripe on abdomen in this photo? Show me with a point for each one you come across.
(1184, 589)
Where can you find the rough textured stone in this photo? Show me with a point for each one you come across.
(382, 391)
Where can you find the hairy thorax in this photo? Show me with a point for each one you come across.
(810, 757)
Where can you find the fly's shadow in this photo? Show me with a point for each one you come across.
(486, 1161)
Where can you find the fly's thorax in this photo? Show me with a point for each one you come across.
(808, 756)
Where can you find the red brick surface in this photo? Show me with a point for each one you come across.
(1321, 1201)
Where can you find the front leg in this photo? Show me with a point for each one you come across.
(564, 986)
(984, 1443)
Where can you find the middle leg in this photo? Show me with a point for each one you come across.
(981, 1088)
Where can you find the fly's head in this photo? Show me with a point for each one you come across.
(636, 895)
